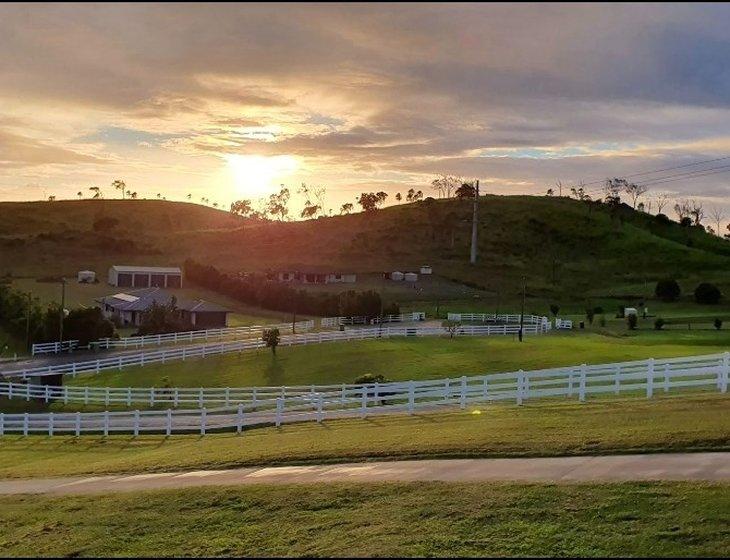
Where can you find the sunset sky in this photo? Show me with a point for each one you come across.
(228, 101)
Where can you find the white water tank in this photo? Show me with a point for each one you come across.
(397, 276)
(410, 277)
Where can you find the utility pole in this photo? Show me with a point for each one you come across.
(61, 314)
(474, 222)
(522, 312)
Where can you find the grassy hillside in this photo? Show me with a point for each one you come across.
(563, 246)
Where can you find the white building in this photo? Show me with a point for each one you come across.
(145, 277)
(410, 277)
(426, 269)
(396, 275)
(86, 277)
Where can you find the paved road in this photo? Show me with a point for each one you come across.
(712, 467)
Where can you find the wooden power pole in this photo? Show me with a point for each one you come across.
(474, 225)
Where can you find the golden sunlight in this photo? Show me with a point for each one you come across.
(255, 176)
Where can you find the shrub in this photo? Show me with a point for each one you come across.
(707, 293)
(598, 310)
(718, 323)
(554, 309)
(631, 321)
(667, 290)
(369, 379)
(658, 324)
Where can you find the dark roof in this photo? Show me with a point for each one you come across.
(142, 299)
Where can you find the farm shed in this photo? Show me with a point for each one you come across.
(128, 307)
(396, 275)
(426, 269)
(314, 277)
(410, 277)
(86, 276)
(145, 277)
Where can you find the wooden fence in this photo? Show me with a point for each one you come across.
(281, 406)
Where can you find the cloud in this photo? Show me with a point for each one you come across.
(18, 151)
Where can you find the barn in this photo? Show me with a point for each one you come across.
(128, 308)
(145, 277)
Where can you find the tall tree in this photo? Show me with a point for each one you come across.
(635, 192)
(242, 208)
(717, 216)
(119, 185)
(278, 204)
(346, 208)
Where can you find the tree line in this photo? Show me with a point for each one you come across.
(256, 289)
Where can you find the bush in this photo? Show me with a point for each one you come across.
(554, 309)
(707, 293)
(631, 321)
(718, 323)
(598, 310)
(658, 324)
(667, 290)
(369, 379)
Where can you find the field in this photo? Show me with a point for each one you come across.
(426, 519)
(411, 358)
(612, 425)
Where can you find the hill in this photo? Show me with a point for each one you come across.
(562, 246)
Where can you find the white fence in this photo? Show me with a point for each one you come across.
(494, 318)
(402, 318)
(330, 322)
(54, 347)
(321, 403)
(190, 336)
(563, 324)
(205, 350)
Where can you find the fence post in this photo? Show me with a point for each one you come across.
(279, 406)
(462, 396)
(106, 423)
(650, 378)
(202, 421)
(10, 390)
(239, 418)
(152, 396)
(106, 397)
(364, 403)
(319, 408)
(50, 423)
(342, 395)
(78, 424)
(411, 396)
(47, 397)
(486, 387)
(2, 423)
(582, 386)
(25, 424)
(228, 396)
(666, 378)
(136, 423)
(725, 367)
(617, 380)
(168, 425)
(520, 375)
(447, 389)
(129, 396)
(200, 398)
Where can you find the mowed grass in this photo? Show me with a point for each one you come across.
(410, 358)
(382, 520)
(554, 428)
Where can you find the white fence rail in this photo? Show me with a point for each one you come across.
(563, 324)
(494, 318)
(54, 347)
(402, 318)
(205, 350)
(190, 336)
(648, 376)
(330, 322)
(255, 396)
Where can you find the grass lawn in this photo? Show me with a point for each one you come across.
(412, 358)
(391, 520)
(674, 423)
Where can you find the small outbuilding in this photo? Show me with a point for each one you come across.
(630, 311)
(86, 277)
(426, 269)
(145, 276)
(410, 277)
(397, 276)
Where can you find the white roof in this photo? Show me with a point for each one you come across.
(152, 269)
(125, 297)
(86, 272)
